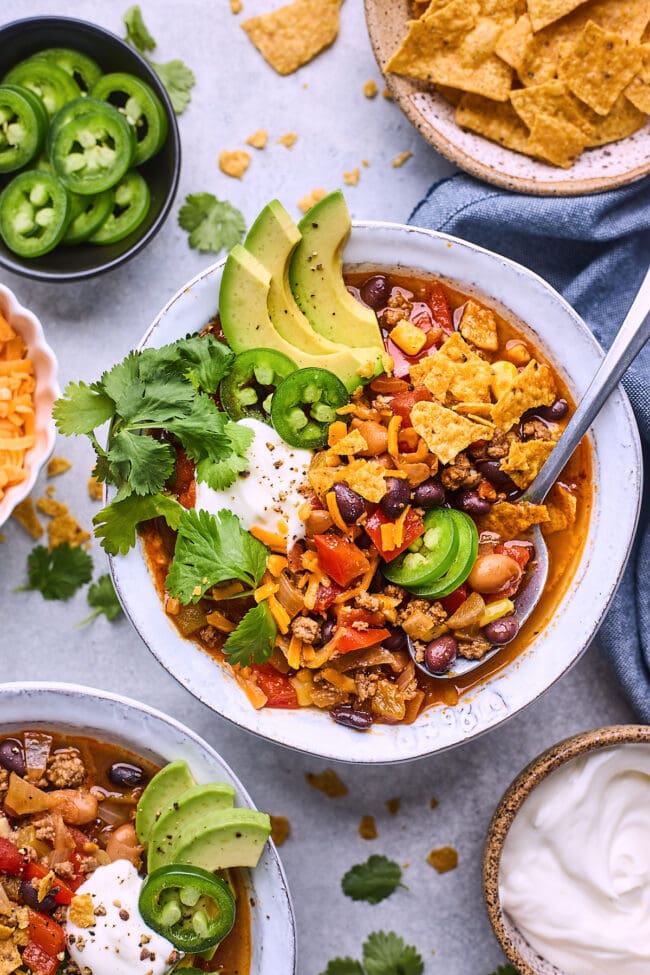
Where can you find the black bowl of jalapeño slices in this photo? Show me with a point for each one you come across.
(89, 149)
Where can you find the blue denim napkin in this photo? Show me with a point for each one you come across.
(595, 250)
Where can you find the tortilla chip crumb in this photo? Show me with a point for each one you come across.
(58, 465)
(370, 88)
(327, 782)
(434, 804)
(25, 515)
(236, 6)
(365, 162)
(289, 140)
(51, 508)
(291, 36)
(82, 911)
(401, 159)
(258, 139)
(392, 805)
(387, 95)
(234, 162)
(95, 489)
(3, 538)
(45, 886)
(66, 528)
(443, 859)
(368, 828)
(307, 201)
(351, 178)
(50, 491)
(280, 829)
(510, 520)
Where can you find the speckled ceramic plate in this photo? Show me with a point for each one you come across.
(598, 169)
(617, 472)
(154, 735)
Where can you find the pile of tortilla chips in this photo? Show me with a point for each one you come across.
(548, 78)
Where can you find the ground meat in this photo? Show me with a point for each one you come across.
(420, 616)
(12, 887)
(472, 646)
(64, 869)
(366, 683)
(410, 690)
(499, 446)
(45, 831)
(210, 636)
(4, 780)
(394, 592)
(460, 474)
(306, 629)
(66, 769)
(535, 430)
(366, 601)
(88, 864)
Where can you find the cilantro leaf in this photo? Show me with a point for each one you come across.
(149, 402)
(373, 880)
(178, 79)
(222, 472)
(115, 524)
(386, 954)
(343, 966)
(254, 638)
(59, 573)
(207, 361)
(212, 549)
(136, 30)
(213, 225)
(202, 431)
(103, 599)
(82, 409)
(146, 463)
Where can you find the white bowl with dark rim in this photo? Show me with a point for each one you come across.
(159, 738)
(561, 333)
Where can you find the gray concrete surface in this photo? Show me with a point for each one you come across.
(92, 325)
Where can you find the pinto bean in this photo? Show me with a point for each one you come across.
(76, 806)
(375, 435)
(492, 573)
(123, 845)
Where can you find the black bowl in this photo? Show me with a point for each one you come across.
(22, 38)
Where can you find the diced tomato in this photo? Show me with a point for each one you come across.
(325, 597)
(403, 403)
(39, 961)
(348, 639)
(184, 484)
(413, 528)
(455, 599)
(12, 860)
(46, 933)
(440, 309)
(34, 871)
(340, 558)
(350, 614)
(520, 553)
(277, 687)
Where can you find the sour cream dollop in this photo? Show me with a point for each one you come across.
(119, 942)
(268, 494)
(575, 869)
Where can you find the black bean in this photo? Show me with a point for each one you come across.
(29, 896)
(375, 291)
(363, 541)
(398, 495)
(430, 494)
(396, 640)
(502, 631)
(470, 502)
(12, 756)
(125, 775)
(555, 412)
(440, 654)
(491, 470)
(346, 715)
(328, 630)
(349, 503)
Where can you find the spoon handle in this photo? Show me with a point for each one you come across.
(632, 336)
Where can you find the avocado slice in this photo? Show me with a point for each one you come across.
(245, 320)
(316, 277)
(226, 838)
(163, 789)
(191, 806)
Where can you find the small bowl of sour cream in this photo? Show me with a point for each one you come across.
(566, 866)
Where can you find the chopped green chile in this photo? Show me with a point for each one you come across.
(192, 908)
(255, 375)
(46, 80)
(305, 404)
(23, 124)
(92, 152)
(34, 210)
(141, 107)
(131, 202)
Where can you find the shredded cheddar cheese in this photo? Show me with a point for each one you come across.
(17, 412)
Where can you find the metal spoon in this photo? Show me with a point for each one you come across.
(632, 336)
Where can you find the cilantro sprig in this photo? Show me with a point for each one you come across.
(176, 77)
(383, 954)
(59, 572)
(373, 880)
(213, 225)
(102, 598)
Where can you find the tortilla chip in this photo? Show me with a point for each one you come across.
(545, 12)
(556, 141)
(479, 326)
(512, 42)
(445, 433)
(258, 139)
(294, 34)
(366, 477)
(525, 460)
(599, 66)
(10, 958)
(496, 121)
(25, 515)
(454, 373)
(511, 520)
(66, 528)
(58, 465)
(552, 99)
(638, 90)
(534, 386)
(81, 911)
(452, 95)
(352, 443)
(624, 119)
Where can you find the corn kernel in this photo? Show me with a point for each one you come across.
(503, 375)
(408, 337)
(497, 609)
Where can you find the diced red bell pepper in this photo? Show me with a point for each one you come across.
(455, 599)
(325, 597)
(34, 871)
(440, 309)
(520, 553)
(12, 861)
(350, 614)
(341, 559)
(46, 933)
(277, 687)
(348, 639)
(413, 528)
(403, 403)
(39, 961)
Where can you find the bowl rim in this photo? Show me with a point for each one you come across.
(37, 344)
(334, 753)
(70, 689)
(16, 265)
(397, 84)
(511, 803)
